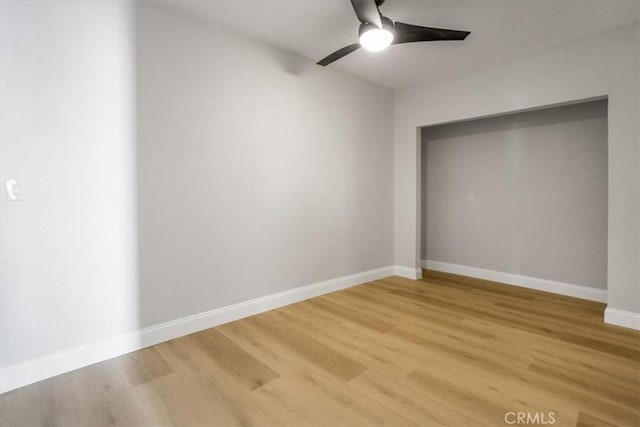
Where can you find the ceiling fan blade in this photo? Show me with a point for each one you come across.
(407, 33)
(367, 11)
(339, 54)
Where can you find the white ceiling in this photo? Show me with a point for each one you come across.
(500, 30)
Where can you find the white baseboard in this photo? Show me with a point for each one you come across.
(18, 375)
(561, 288)
(628, 319)
(408, 272)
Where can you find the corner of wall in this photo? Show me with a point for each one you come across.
(622, 318)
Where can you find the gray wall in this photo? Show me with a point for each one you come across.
(258, 171)
(576, 70)
(68, 269)
(171, 169)
(539, 180)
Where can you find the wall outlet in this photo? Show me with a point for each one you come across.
(471, 198)
(15, 190)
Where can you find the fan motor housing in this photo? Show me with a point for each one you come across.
(387, 24)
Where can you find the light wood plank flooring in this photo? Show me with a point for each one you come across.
(443, 351)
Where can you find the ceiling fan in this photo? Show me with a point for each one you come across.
(377, 32)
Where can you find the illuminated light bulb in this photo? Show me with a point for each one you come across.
(376, 39)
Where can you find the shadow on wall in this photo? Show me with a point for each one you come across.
(292, 63)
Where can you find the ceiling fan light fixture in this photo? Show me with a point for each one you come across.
(375, 39)
(377, 32)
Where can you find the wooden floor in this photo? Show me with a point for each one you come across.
(446, 350)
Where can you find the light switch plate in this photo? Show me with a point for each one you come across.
(15, 190)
